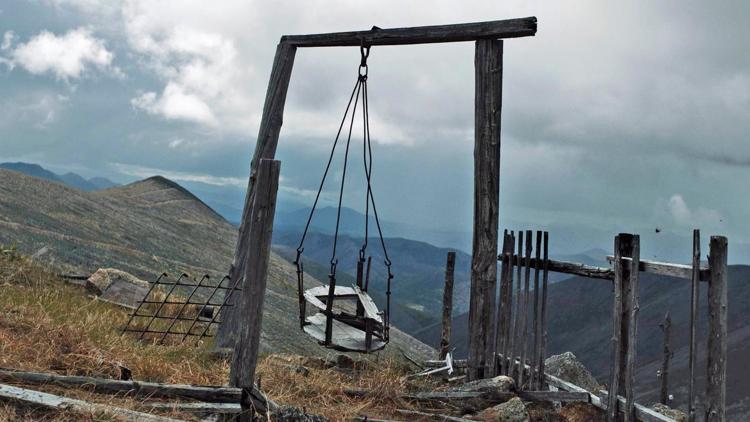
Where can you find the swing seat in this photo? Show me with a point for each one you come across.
(349, 330)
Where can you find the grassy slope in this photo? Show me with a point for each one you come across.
(47, 325)
(145, 228)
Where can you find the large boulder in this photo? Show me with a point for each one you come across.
(117, 287)
(512, 410)
(567, 367)
(582, 412)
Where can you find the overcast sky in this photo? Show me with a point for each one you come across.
(616, 117)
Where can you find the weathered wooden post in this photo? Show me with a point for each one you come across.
(445, 340)
(625, 324)
(716, 387)
(260, 229)
(488, 100)
(694, 301)
(503, 315)
(666, 327)
(265, 147)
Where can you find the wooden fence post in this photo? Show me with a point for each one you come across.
(535, 322)
(265, 147)
(694, 301)
(666, 327)
(445, 340)
(716, 387)
(502, 325)
(624, 318)
(488, 98)
(260, 229)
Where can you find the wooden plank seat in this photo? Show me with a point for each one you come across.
(345, 337)
(351, 332)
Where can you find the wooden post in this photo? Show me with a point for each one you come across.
(543, 329)
(502, 325)
(631, 308)
(535, 324)
(260, 229)
(614, 379)
(445, 340)
(488, 98)
(694, 302)
(518, 309)
(524, 337)
(508, 306)
(716, 387)
(265, 147)
(666, 327)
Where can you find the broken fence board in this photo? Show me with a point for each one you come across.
(61, 403)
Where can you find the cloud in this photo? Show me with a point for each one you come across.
(69, 56)
(684, 216)
(145, 172)
(175, 104)
(8, 39)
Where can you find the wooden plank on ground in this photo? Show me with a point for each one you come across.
(52, 401)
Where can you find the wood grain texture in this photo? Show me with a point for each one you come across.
(631, 310)
(65, 404)
(510, 28)
(524, 331)
(694, 303)
(716, 387)
(666, 328)
(614, 379)
(445, 339)
(260, 230)
(666, 268)
(265, 147)
(535, 376)
(573, 268)
(487, 101)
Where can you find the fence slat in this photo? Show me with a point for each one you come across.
(445, 339)
(716, 389)
(694, 302)
(614, 380)
(632, 310)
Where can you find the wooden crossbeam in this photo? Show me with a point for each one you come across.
(509, 28)
(666, 268)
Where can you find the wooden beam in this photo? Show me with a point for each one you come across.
(509, 28)
(666, 268)
(716, 383)
(487, 101)
(265, 147)
(445, 339)
(245, 356)
(573, 268)
(65, 404)
(694, 303)
(615, 368)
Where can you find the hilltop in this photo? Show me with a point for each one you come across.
(145, 228)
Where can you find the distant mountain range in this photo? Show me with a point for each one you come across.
(145, 228)
(71, 179)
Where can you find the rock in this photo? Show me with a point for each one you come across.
(582, 412)
(345, 362)
(117, 287)
(667, 411)
(499, 383)
(544, 411)
(512, 410)
(567, 367)
(315, 362)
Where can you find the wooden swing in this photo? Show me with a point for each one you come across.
(347, 318)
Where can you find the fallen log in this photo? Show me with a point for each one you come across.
(51, 401)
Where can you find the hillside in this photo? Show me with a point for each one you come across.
(580, 312)
(145, 228)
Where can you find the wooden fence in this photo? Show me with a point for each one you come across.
(517, 341)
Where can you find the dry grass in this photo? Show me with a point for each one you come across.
(48, 325)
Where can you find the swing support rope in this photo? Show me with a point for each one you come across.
(358, 94)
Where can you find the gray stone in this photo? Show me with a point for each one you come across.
(512, 410)
(499, 383)
(567, 367)
(293, 414)
(667, 411)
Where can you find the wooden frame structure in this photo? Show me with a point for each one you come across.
(249, 266)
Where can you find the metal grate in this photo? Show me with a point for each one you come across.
(175, 309)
